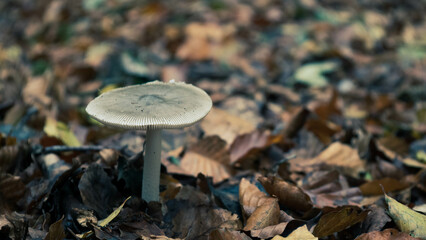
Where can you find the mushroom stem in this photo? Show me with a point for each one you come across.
(152, 166)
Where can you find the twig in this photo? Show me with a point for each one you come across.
(62, 148)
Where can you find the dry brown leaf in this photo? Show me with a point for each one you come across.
(210, 157)
(109, 156)
(326, 109)
(324, 130)
(265, 215)
(295, 122)
(198, 221)
(225, 125)
(375, 187)
(56, 231)
(250, 197)
(226, 234)
(7, 155)
(337, 155)
(11, 188)
(269, 231)
(34, 92)
(339, 219)
(251, 144)
(387, 234)
(288, 194)
(203, 40)
(398, 145)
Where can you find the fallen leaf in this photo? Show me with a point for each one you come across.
(339, 219)
(250, 197)
(97, 191)
(197, 221)
(302, 233)
(288, 194)
(312, 74)
(376, 219)
(208, 156)
(265, 215)
(104, 222)
(225, 125)
(295, 123)
(388, 184)
(324, 130)
(226, 234)
(11, 188)
(60, 130)
(407, 220)
(270, 231)
(56, 231)
(7, 155)
(337, 155)
(387, 234)
(250, 144)
(34, 92)
(114, 214)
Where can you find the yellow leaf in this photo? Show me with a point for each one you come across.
(108, 88)
(105, 221)
(407, 220)
(60, 130)
(302, 233)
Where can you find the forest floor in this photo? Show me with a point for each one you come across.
(317, 131)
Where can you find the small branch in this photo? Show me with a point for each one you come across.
(62, 148)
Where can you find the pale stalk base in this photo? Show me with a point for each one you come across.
(152, 166)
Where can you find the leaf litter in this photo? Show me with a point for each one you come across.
(317, 131)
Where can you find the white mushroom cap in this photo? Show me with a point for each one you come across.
(153, 105)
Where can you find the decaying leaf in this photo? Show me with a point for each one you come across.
(97, 191)
(407, 220)
(226, 234)
(7, 155)
(389, 185)
(114, 214)
(225, 125)
(339, 219)
(288, 194)
(250, 144)
(387, 234)
(265, 215)
(56, 231)
(195, 222)
(337, 155)
(250, 197)
(210, 157)
(312, 74)
(269, 231)
(302, 233)
(11, 188)
(60, 130)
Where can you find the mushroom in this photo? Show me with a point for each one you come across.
(152, 106)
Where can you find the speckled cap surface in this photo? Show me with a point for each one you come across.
(152, 105)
